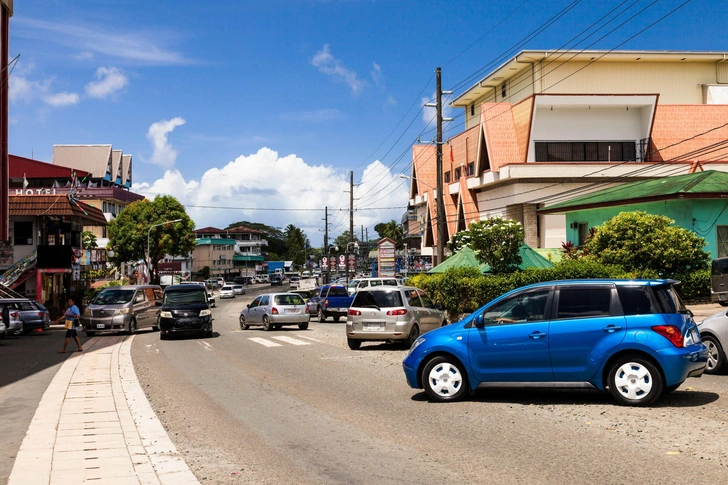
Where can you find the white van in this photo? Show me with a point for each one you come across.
(358, 284)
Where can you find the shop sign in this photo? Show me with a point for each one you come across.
(35, 191)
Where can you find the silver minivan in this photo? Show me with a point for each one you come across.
(361, 283)
(126, 308)
(400, 313)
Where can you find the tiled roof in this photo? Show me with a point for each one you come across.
(682, 132)
(699, 184)
(424, 169)
(115, 162)
(54, 205)
(500, 135)
(209, 230)
(242, 230)
(126, 170)
(522, 114)
(92, 158)
(35, 169)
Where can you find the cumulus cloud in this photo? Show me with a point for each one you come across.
(331, 66)
(164, 155)
(275, 184)
(62, 99)
(109, 80)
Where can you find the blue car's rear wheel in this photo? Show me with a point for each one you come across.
(635, 381)
(444, 379)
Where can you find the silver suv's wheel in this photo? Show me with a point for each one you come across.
(635, 381)
(716, 359)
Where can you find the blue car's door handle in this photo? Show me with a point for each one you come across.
(612, 328)
(537, 334)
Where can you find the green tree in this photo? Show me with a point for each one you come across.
(276, 248)
(495, 241)
(343, 240)
(133, 227)
(88, 240)
(647, 244)
(296, 244)
(392, 230)
(205, 272)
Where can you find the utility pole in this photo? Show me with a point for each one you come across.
(326, 245)
(351, 222)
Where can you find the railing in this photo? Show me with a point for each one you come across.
(16, 271)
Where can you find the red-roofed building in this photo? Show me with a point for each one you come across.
(540, 129)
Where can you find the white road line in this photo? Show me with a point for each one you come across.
(308, 338)
(205, 345)
(292, 341)
(265, 342)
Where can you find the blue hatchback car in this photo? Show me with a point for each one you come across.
(632, 337)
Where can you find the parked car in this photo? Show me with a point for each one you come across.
(239, 289)
(273, 310)
(632, 337)
(32, 314)
(719, 281)
(276, 280)
(329, 301)
(239, 280)
(714, 333)
(11, 319)
(184, 309)
(249, 280)
(227, 292)
(400, 313)
(126, 308)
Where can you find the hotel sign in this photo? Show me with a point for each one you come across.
(35, 191)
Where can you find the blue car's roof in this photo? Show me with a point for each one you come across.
(619, 282)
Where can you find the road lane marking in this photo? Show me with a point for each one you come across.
(292, 341)
(265, 342)
(308, 338)
(205, 345)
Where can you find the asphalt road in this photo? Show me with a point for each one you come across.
(309, 410)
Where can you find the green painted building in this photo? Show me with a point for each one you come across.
(696, 201)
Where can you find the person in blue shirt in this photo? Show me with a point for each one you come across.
(73, 315)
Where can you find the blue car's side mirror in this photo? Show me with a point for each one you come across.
(478, 321)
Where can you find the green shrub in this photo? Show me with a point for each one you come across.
(695, 284)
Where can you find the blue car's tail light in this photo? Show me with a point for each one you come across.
(671, 333)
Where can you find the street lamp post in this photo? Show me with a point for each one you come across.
(149, 232)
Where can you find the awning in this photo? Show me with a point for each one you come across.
(54, 205)
(247, 257)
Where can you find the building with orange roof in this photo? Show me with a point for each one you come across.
(548, 126)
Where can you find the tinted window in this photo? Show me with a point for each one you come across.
(184, 297)
(413, 298)
(522, 307)
(426, 302)
(23, 305)
(381, 299)
(584, 302)
(288, 300)
(112, 296)
(637, 300)
(720, 266)
(338, 291)
(255, 303)
(264, 300)
(669, 300)
(390, 282)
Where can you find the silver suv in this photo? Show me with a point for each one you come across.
(391, 313)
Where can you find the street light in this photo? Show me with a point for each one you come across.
(149, 231)
(403, 176)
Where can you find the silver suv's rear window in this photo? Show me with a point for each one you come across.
(288, 300)
(381, 299)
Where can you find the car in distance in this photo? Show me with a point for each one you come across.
(714, 333)
(273, 310)
(276, 280)
(11, 319)
(227, 292)
(128, 308)
(31, 313)
(239, 289)
(400, 313)
(184, 309)
(634, 338)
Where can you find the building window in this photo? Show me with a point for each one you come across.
(722, 234)
(103, 232)
(472, 110)
(23, 234)
(457, 173)
(103, 207)
(503, 90)
(471, 168)
(447, 177)
(585, 151)
(583, 232)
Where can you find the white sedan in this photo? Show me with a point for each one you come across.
(227, 292)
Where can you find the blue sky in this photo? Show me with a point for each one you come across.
(269, 104)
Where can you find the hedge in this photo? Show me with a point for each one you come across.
(462, 290)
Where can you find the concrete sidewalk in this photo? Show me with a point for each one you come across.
(94, 424)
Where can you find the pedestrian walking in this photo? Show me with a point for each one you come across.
(71, 317)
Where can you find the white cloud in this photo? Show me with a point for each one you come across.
(164, 155)
(377, 75)
(109, 80)
(126, 44)
(265, 180)
(333, 67)
(429, 114)
(84, 56)
(62, 99)
(390, 101)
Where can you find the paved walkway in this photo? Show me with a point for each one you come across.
(94, 424)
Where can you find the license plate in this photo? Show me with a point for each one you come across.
(100, 325)
(372, 326)
(291, 310)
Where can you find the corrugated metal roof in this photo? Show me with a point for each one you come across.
(115, 164)
(92, 158)
(35, 169)
(126, 170)
(696, 184)
(53, 205)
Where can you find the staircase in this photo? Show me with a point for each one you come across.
(12, 277)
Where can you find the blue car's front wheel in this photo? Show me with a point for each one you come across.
(444, 379)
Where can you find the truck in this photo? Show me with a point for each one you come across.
(276, 267)
(330, 301)
(169, 280)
